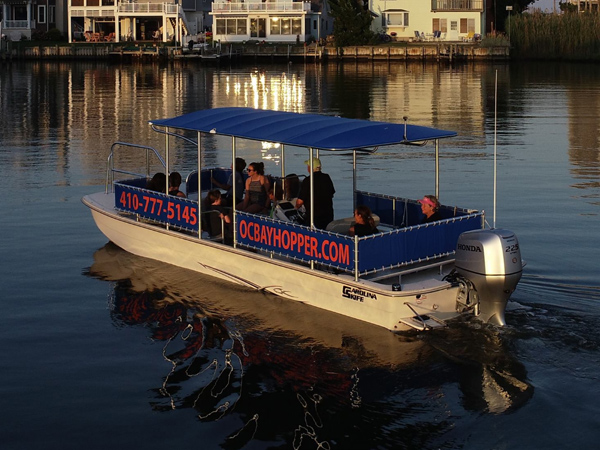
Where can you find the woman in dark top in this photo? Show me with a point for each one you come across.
(256, 200)
(174, 183)
(365, 224)
(430, 207)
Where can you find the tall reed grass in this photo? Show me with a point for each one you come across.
(569, 36)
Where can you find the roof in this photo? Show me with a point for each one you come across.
(303, 130)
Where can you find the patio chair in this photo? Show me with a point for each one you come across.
(417, 35)
(437, 35)
(469, 37)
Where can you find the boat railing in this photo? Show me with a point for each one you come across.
(132, 196)
(110, 164)
(360, 256)
(398, 212)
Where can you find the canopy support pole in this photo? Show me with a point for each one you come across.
(167, 159)
(282, 172)
(312, 202)
(167, 165)
(437, 169)
(234, 193)
(353, 180)
(199, 184)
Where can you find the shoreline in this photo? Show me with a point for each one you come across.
(436, 51)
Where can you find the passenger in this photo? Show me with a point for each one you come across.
(214, 202)
(430, 207)
(323, 196)
(273, 200)
(292, 186)
(174, 183)
(364, 222)
(158, 182)
(240, 165)
(256, 200)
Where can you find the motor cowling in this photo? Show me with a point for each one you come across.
(491, 260)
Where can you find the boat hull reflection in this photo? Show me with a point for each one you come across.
(232, 349)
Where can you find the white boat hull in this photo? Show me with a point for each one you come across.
(364, 300)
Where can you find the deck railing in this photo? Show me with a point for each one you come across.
(166, 8)
(18, 24)
(457, 5)
(281, 6)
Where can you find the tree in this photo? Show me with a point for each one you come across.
(352, 22)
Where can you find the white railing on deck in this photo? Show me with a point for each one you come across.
(167, 8)
(18, 24)
(225, 7)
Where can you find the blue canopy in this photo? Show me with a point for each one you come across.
(303, 130)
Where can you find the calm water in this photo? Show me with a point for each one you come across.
(101, 349)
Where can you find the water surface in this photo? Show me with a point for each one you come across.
(106, 349)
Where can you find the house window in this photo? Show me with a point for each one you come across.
(41, 13)
(396, 20)
(440, 25)
(232, 26)
(314, 24)
(467, 26)
(286, 26)
(453, 25)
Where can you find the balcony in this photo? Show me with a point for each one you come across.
(253, 6)
(146, 8)
(457, 5)
(18, 24)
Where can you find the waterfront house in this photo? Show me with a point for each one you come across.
(22, 19)
(269, 21)
(451, 20)
(126, 20)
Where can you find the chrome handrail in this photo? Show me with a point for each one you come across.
(110, 169)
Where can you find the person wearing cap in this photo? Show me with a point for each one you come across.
(323, 195)
(430, 207)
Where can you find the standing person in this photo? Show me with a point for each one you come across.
(238, 172)
(365, 224)
(322, 195)
(256, 200)
(430, 207)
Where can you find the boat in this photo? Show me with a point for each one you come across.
(409, 275)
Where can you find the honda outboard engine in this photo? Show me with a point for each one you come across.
(491, 261)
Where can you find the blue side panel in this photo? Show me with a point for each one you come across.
(402, 212)
(412, 244)
(295, 241)
(168, 209)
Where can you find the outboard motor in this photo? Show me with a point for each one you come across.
(491, 261)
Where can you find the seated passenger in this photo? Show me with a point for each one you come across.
(292, 186)
(365, 224)
(174, 183)
(273, 201)
(256, 200)
(158, 182)
(238, 171)
(213, 202)
(216, 220)
(430, 207)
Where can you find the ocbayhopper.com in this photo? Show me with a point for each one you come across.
(295, 241)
